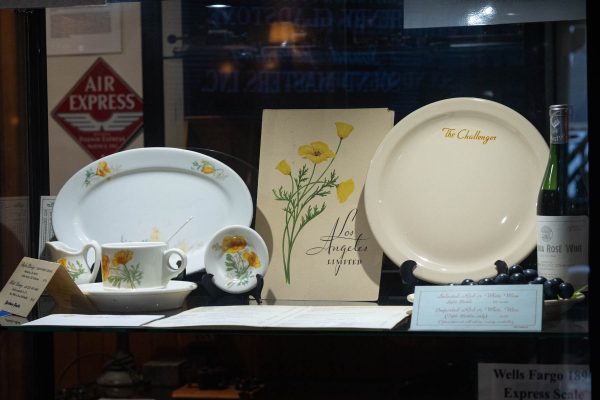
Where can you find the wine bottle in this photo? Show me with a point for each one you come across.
(562, 210)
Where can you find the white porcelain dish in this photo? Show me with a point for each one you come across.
(453, 186)
(147, 194)
(138, 300)
(235, 255)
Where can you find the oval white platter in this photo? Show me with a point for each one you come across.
(138, 300)
(148, 194)
(235, 255)
(453, 186)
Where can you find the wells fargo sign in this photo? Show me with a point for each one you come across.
(101, 112)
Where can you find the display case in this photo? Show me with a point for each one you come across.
(197, 77)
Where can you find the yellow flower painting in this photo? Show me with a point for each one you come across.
(284, 167)
(309, 185)
(343, 129)
(344, 190)
(317, 152)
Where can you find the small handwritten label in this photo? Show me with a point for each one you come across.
(26, 285)
(534, 381)
(478, 308)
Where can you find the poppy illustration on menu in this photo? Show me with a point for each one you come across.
(310, 183)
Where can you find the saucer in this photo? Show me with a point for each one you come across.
(234, 256)
(138, 300)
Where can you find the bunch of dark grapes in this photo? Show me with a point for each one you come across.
(553, 288)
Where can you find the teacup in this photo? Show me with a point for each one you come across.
(139, 265)
(76, 261)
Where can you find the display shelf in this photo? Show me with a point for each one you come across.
(206, 74)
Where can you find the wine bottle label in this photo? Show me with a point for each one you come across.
(562, 248)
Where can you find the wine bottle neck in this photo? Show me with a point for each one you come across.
(559, 124)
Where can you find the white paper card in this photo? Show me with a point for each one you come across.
(26, 285)
(478, 308)
(298, 317)
(105, 320)
(534, 381)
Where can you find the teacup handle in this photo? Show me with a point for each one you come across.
(97, 259)
(171, 273)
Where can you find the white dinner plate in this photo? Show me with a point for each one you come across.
(148, 194)
(138, 300)
(235, 255)
(453, 186)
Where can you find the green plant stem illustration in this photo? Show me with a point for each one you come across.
(305, 188)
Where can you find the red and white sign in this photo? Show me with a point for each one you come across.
(101, 112)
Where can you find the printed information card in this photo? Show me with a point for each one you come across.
(534, 381)
(478, 308)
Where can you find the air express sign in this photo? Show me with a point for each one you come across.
(101, 112)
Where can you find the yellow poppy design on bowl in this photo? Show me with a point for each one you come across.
(309, 186)
(232, 244)
(252, 258)
(240, 260)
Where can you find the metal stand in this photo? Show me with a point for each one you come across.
(218, 297)
(407, 268)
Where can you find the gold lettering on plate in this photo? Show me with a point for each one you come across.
(467, 134)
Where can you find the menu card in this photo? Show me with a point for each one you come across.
(310, 207)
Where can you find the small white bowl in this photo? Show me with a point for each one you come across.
(234, 256)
